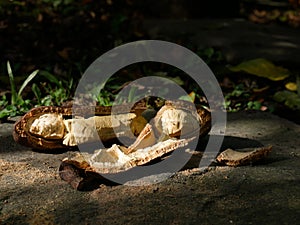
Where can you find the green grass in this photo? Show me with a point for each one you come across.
(16, 105)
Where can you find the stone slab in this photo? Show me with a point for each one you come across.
(264, 193)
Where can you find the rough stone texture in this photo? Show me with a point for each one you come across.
(238, 39)
(264, 193)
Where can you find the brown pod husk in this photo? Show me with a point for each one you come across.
(151, 144)
(23, 136)
(231, 157)
(85, 170)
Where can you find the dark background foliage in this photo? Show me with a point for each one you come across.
(62, 37)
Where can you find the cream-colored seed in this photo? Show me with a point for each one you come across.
(177, 120)
(48, 126)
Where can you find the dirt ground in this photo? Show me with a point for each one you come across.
(265, 193)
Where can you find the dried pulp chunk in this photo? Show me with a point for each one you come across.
(177, 121)
(48, 126)
(79, 131)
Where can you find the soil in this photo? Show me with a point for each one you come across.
(263, 193)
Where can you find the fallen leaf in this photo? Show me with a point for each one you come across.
(281, 96)
(291, 86)
(262, 68)
(290, 99)
(293, 102)
(190, 97)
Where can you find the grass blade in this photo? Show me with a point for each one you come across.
(298, 84)
(37, 92)
(131, 95)
(51, 78)
(28, 79)
(12, 84)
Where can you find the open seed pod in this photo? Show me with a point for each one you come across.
(49, 127)
(164, 134)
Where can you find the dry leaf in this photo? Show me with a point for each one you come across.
(291, 86)
(262, 68)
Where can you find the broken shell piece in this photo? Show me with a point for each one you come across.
(48, 126)
(78, 173)
(112, 157)
(145, 139)
(116, 159)
(238, 158)
(86, 171)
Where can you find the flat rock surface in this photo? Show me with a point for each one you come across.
(238, 39)
(265, 193)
